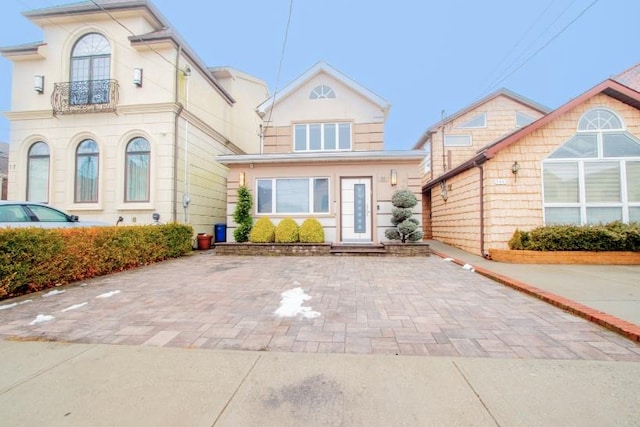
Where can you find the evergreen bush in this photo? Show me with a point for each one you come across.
(311, 231)
(242, 215)
(287, 231)
(263, 231)
(406, 227)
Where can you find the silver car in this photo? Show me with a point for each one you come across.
(32, 214)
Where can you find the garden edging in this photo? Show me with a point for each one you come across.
(564, 257)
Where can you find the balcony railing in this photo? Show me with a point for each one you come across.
(90, 96)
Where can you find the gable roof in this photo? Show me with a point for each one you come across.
(608, 87)
(164, 31)
(630, 77)
(500, 92)
(316, 69)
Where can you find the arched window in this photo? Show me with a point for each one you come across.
(90, 70)
(322, 92)
(592, 178)
(87, 163)
(137, 171)
(38, 173)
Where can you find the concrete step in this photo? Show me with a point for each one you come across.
(360, 250)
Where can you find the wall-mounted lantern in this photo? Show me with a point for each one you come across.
(38, 83)
(137, 77)
(241, 179)
(394, 177)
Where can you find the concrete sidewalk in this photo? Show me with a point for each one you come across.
(606, 294)
(57, 384)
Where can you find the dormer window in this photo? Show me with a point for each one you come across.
(322, 92)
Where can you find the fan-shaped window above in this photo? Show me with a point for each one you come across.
(322, 92)
(600, 119)
(90, 70)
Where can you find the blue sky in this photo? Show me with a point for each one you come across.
(423, 56)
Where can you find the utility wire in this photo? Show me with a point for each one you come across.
(284, 45)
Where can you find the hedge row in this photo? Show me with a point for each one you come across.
(287, 231)
(615, 236)
(33, 259)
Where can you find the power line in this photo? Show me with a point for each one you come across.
(284, 45)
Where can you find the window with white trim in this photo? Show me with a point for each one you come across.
(592, 178)
(479, 121)
(38, 173)
(322, 137)
(523, 119)
(457, 140)
(322, 92)
(293, 196)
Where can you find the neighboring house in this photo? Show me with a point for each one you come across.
(113, 114)
(4, 169)
(322, 156)
(578, 164)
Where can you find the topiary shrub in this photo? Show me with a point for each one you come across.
(311, 231)
(263, 231)
(406, 227)
(242, 215)
(287, 231)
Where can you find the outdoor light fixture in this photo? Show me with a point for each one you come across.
(515, 168)
(38, 83)
(394, 177)
(443, 191)
(137, 77)
(241, 179)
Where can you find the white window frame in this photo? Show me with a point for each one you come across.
(322, 136)
(524, 115)
(449, 143)
(467, 125)
(274, 191)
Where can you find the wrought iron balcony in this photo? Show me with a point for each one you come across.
(89, 96)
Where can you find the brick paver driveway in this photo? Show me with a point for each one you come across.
(423, 306)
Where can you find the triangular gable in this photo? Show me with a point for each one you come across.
(501, 92)
(310, 73)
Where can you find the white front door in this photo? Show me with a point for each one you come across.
(356, 210)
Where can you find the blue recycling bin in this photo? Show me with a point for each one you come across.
(220, 232)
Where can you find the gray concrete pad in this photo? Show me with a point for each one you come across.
(324, 389)
(120, 386)
(556, 393)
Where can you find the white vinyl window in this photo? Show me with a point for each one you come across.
(293, 196)
(38, 173)
(479, 121)
(523, 119)
(592, 178)
(322, 92)
(322, 137)
(457, 140)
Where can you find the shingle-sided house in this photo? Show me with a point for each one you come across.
(578, 164)
(322, 156)
(113, 114)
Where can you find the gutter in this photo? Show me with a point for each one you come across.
(174, 172)
(473, 162)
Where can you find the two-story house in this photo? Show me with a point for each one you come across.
(578, 164)
(322, 156)
(114, 115)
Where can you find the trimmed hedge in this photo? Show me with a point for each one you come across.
(263, 231)
(33, 259)
(615, 236)
(311, 231)
(287, 231)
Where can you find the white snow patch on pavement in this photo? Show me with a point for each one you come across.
(468, 267)
(74, 307)
(8, 306)
(291, 305)
(447, 259)
(108, 294)
(41, 318)
(52, 293)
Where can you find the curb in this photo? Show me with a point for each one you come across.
(615, 324)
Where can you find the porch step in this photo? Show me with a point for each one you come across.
(359, 250)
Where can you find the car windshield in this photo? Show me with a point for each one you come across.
(46, 214)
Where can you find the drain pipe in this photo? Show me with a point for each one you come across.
(481, 196)
(176, 141)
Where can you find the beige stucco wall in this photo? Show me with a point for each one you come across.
(510, 201)
(208, 126)
(500, 120)
(382, 190)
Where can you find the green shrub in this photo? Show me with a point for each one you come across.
(404, 199)
(405, 228)
(311, 231)
(287, 231)
(32, 259)
(242, 215)
(615, 236)
(263, 231)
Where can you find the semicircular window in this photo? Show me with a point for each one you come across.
(322, 92)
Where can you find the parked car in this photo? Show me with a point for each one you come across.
(32, 214)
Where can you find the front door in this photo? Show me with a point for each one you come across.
(356, 210)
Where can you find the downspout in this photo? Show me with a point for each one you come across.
(174, 178)
(482, 251)
(444, 162)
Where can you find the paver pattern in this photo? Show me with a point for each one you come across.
(405, 306)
